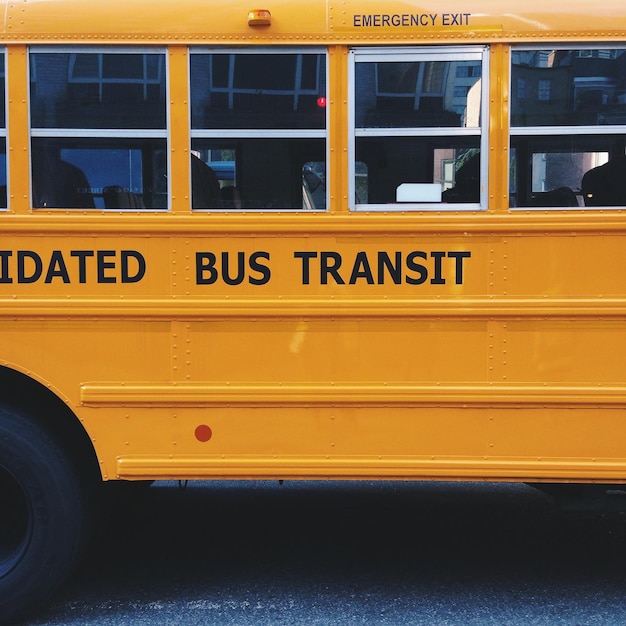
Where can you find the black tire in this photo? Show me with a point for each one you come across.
(43, 516)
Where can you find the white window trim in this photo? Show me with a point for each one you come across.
(538, 131)
(268, 133)
(453, 53)
(106, 133)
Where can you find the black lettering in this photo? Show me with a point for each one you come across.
(205, 262)
(57, 268)
(306, 268)
(413, 266)
(264, 270)
(22, 277)
(241, 269)
(82, 256)
(104, 265)
(361, 269)
(140, 270)
(415, 20)
(394, 269)
(5, 278)
(438, 278)
(455, 19)
(330, 262)
(458, 257)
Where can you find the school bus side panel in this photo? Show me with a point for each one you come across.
(229, 351)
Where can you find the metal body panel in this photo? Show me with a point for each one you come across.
(494, 352)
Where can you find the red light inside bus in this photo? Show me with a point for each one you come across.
(321, 101)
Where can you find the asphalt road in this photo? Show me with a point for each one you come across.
(339, 554)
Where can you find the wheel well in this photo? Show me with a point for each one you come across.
(34, 401)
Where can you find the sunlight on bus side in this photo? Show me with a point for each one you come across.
(311, 240)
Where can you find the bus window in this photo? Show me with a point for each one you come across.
(314, 185)
(417, 125)
(99, 137)
(258, 121)
(3, 137)
(568, 119)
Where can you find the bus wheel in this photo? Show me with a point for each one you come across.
(43, 517)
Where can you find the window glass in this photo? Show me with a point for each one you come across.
(314, 185)
(450, 167)
(99, 173)
(417, 128)
(568, 127)
(417, 94)
(258, 90)
(259, 174)
(98, 127)
(258, 130)
(563, 87)
(97, 90)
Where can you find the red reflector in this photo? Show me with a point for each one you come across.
(203, 433)
(321, 101)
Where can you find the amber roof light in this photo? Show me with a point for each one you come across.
(259, 17)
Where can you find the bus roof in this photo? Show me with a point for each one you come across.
(294, 22)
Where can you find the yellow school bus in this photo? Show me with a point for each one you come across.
(304, 239)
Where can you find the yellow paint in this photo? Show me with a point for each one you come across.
(348, 21)
(518, 373)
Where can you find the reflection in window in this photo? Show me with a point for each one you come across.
(360, 186)
(568, 128)
(258, 130)
(259, 174)
(98, 129)
(548, 171)
(101, 174)
(452, 166)
(544, 90)
(417, 127)
(97, 90)
(314, 185)
(569, 87)
(257, 90)
(416, 94)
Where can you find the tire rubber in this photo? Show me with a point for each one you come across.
(49, 517)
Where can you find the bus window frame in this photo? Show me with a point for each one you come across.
(226, 134)
(598, 131)
(479, 52)
(95, 134)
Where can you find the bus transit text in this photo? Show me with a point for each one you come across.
(415, 268)
(77, 266)
(232, 271)
(326, 267)
(331, 267)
